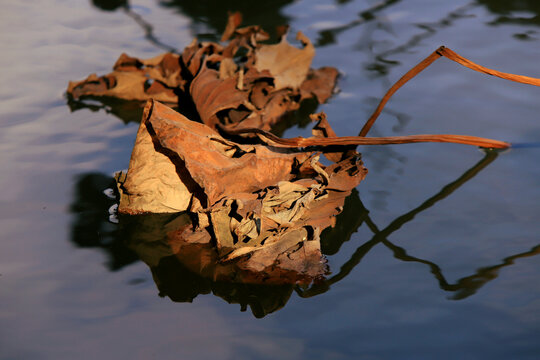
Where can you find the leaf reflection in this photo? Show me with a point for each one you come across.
(196, 270)
(182, 276)
(464, 287)
(127, 111)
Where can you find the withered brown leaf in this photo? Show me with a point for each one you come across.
(265, 207)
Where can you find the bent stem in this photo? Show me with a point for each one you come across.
(448, 53)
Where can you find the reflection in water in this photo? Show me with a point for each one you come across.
(183, 275)
(468, 285)
(328, 36)
(127, 111)
(382, 61)
(91, 226)
(113, 5)
(526, 12)
(110, 5)
(380, 236)
(523, 12)
(512, 12)
(208, 16)
(180, 284)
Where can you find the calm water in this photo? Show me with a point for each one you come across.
(432, 271)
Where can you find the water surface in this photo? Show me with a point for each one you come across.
(436, 255)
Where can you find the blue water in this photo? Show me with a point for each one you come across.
(432, 271)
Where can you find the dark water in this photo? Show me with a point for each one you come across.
(435, 255)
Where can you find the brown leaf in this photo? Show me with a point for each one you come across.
(227, 68)
(208, 156)
(202, 50)
(256, 91)
(289, 261)
(174, 157)
(265, 208)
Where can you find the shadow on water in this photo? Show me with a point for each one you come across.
(146, 237)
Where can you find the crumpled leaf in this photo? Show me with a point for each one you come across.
(184, 269)
(258, 209)
(290, 259)
(242, 84)
(263, 208)
(217, 165)
(213, 94)
(288, 202)
(174, 158)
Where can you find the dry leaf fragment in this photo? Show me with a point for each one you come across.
(289, 261)
(227, 68)
(319, 83)
(152, 183)
(134, 79)
(234, 20)
(287, 64)
(213, 94)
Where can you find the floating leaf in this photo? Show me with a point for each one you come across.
(259, 201)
